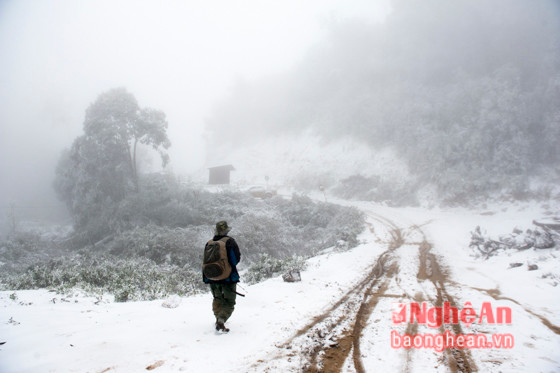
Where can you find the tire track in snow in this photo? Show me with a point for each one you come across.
(331, 357)
(326, 341)
(332, 338)
(459, 360)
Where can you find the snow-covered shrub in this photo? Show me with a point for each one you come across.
(373, 188)
(357, 187)
(263, 233)
(155, 248)
(165, 202)
(537, 238)
(345, 226)
(301, 211)
(175, 246)
(296, 228)
(299, 226)
(160, 200)
(24, 248)
(267, 266)
(126, 279)
(19, 245)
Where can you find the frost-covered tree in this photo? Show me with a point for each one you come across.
(466, 92)
(115, 119)
(101, 167)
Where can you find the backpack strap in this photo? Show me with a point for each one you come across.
(223, 239)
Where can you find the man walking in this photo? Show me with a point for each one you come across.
(221, 255)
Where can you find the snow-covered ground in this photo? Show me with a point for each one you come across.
(531, 295)
(271, 327)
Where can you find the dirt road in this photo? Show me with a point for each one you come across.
(407, 271)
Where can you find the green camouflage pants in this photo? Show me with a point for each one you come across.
(224, 300)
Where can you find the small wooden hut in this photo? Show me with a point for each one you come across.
(220, 174)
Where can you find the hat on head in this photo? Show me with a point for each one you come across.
(222, 228)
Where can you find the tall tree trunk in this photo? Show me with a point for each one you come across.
(134, 168)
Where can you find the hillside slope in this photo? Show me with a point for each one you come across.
(342, 309)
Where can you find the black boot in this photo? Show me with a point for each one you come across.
(220, 326)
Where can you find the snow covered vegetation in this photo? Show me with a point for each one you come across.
(469, 115)
(541, 236)
(151, 244)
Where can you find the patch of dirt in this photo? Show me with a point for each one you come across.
(458, 360)
(411, 329)
(330, 357)
(155, 365)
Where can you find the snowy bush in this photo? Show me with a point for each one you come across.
(372, 188)
(539, 237)
(344, 228)
(267, 266)
(276, 244)
(263, 234)
(298, 226)
(165, 202)
(155, 243)
(163, 245)
(22, 249)
(126, 279)
(357, 187)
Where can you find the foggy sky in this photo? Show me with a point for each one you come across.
(57, 56)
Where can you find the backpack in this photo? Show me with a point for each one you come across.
(215, 264)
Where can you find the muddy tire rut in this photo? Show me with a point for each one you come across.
(334, 356)
(459, 360)
(325, 343)
(332, 341)
(330, 355)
